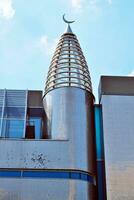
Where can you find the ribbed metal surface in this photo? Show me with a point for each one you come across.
(68, 66)
(16, 98)
(1, 97)
(68, 105)
(13, 110)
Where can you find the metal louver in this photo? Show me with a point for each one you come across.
(68, 67)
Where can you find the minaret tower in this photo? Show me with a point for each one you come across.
(68, 66)
(68, 103)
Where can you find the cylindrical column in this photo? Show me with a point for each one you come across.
(68, 104)
(69, 112)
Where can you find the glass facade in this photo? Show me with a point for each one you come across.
(100, 154)
(13, 128)
(13, 105)
(47, 174)
(16, 115)
(22, 117)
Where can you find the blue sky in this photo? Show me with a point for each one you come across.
(30, 29)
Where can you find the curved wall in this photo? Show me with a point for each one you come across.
(69, 112)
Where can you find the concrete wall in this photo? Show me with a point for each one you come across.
(118, 129)
(43, 189)
(52, 154)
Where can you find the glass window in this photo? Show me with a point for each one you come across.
(38, 126)
(15, 98)
(0, 124)
(14, 112)
(0, 111)
(75, 175)
(12, 128)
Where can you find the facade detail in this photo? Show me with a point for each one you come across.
(117, 100)
(68, 104)
(21, 114)
(68, 66)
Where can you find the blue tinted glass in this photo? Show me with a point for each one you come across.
(32, 174)
(15, 98)
(75, 175)
(14, 112)
(64, 174)
(0, 111)
(37, 123)
(101, 180)
(99, 132)
(84, 177)
(13, 128)
(41, 174)
(51, 174)
(10, 173)
(90, 179)
(0, 125)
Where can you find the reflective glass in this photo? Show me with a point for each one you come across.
(49, 174)
(10, 174)
(15, 98)
(0, 126)
(14, 112)
(37, 123)
(43, 174)
(0, 111)
(1, 97)
(13, 128)
(99, 133)
(75, 175)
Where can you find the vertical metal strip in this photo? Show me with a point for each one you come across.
(101, 185)
(25, 115)
(2, 115)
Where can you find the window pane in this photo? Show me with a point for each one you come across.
(0, 111)
(15, 98)
(75, 175)
(37, 123)
(14, 112)
(0, 126)
(13, 128)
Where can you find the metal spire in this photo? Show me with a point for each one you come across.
(68, 29)
(68, 67)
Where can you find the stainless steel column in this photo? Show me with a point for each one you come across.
(68, 103)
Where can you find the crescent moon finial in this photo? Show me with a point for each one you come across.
(66, 21)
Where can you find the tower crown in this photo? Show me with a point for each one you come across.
(68, 67)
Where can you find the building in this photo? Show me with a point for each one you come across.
(117, 100)
(49, 153)
(59, 144)
(21, 112)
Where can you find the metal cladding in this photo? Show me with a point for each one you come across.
(68, 66)
(68, 104)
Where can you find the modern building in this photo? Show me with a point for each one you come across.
(49, 152)
(117, 101)
(60, 145)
